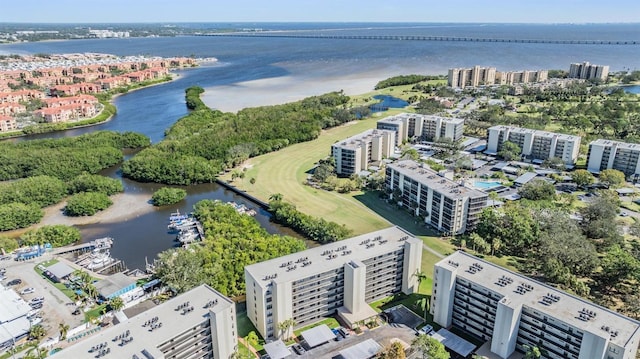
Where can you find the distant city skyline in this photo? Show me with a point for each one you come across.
(472, 11)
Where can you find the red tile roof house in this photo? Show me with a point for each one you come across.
(9, 108)
(71, 90)
(67, 112)
(139, 76)
(113, 82)
(159, 71)
(7, 124)
(56, 114)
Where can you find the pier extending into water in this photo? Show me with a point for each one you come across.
(425, 38)
(100, 243)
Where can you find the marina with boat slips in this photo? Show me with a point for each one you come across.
(189, 229)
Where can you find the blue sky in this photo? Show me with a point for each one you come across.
(524, 11)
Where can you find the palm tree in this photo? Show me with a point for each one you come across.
(36, 353)
(276, 197)
(91, 291)
(421, 277)
(64, 328)
(116, 303)
(290, 323)
(531, 352)
(282, 326)
(37, 331)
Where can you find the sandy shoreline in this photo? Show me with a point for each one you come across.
(302, 81)
(125, 207)
(271, 91)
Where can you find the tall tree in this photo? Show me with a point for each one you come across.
(37, 331)
(582, 178)
(532, 352)
(612, 178)
(63, 328)
(116, 303)
(392, 351)
(429, 347)
(510, 151)
(618, 266)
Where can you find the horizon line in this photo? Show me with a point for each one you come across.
(329, 22)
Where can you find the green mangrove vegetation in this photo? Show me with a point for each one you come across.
(204, 142)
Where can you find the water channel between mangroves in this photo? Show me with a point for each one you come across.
(261, 71)
(140, 237)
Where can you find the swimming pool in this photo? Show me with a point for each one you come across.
(487, 184)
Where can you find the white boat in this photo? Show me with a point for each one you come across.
(100, 260)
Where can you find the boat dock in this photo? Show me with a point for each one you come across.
(189, 229)
(99, 243)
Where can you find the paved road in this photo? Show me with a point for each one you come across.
(55, 310)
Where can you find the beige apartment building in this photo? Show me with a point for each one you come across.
(337, 278)
(607, 154)
(446, 205)
(535, 144)
(509, 311)
(588, 71)
(198, 324)
(521, 77)
(356, 153)
(471, 77)
(422, 127)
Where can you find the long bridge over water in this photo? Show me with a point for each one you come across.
(423, 38)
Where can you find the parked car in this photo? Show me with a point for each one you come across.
(27, 290)
(37, 300)
(15, 281)
(3, 270)
(426, 329)
(343, 331)
(298, 349)
(76, 312)
(36, 305)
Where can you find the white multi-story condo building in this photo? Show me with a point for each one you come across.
(510, 310)
(588, 71)
(445, 205)
(521, 77)
(338, 277)
(354, 154)
(200, 323)
(473, 77)
(422, 127)
(534, 144)
(607, 154)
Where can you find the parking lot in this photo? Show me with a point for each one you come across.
(57, 307)
(383, 335)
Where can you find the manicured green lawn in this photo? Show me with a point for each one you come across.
(244, 351)
(285, 172)
(95, 312)
(245, 327)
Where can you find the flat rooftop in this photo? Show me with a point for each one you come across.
(522, 130)
(13, 306)
(328, 257)
(519, 289)
(430, 178)
(363, 137)
(610, 143)
(403, 116)
(173, 322)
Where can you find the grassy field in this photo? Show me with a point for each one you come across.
(286, 170)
